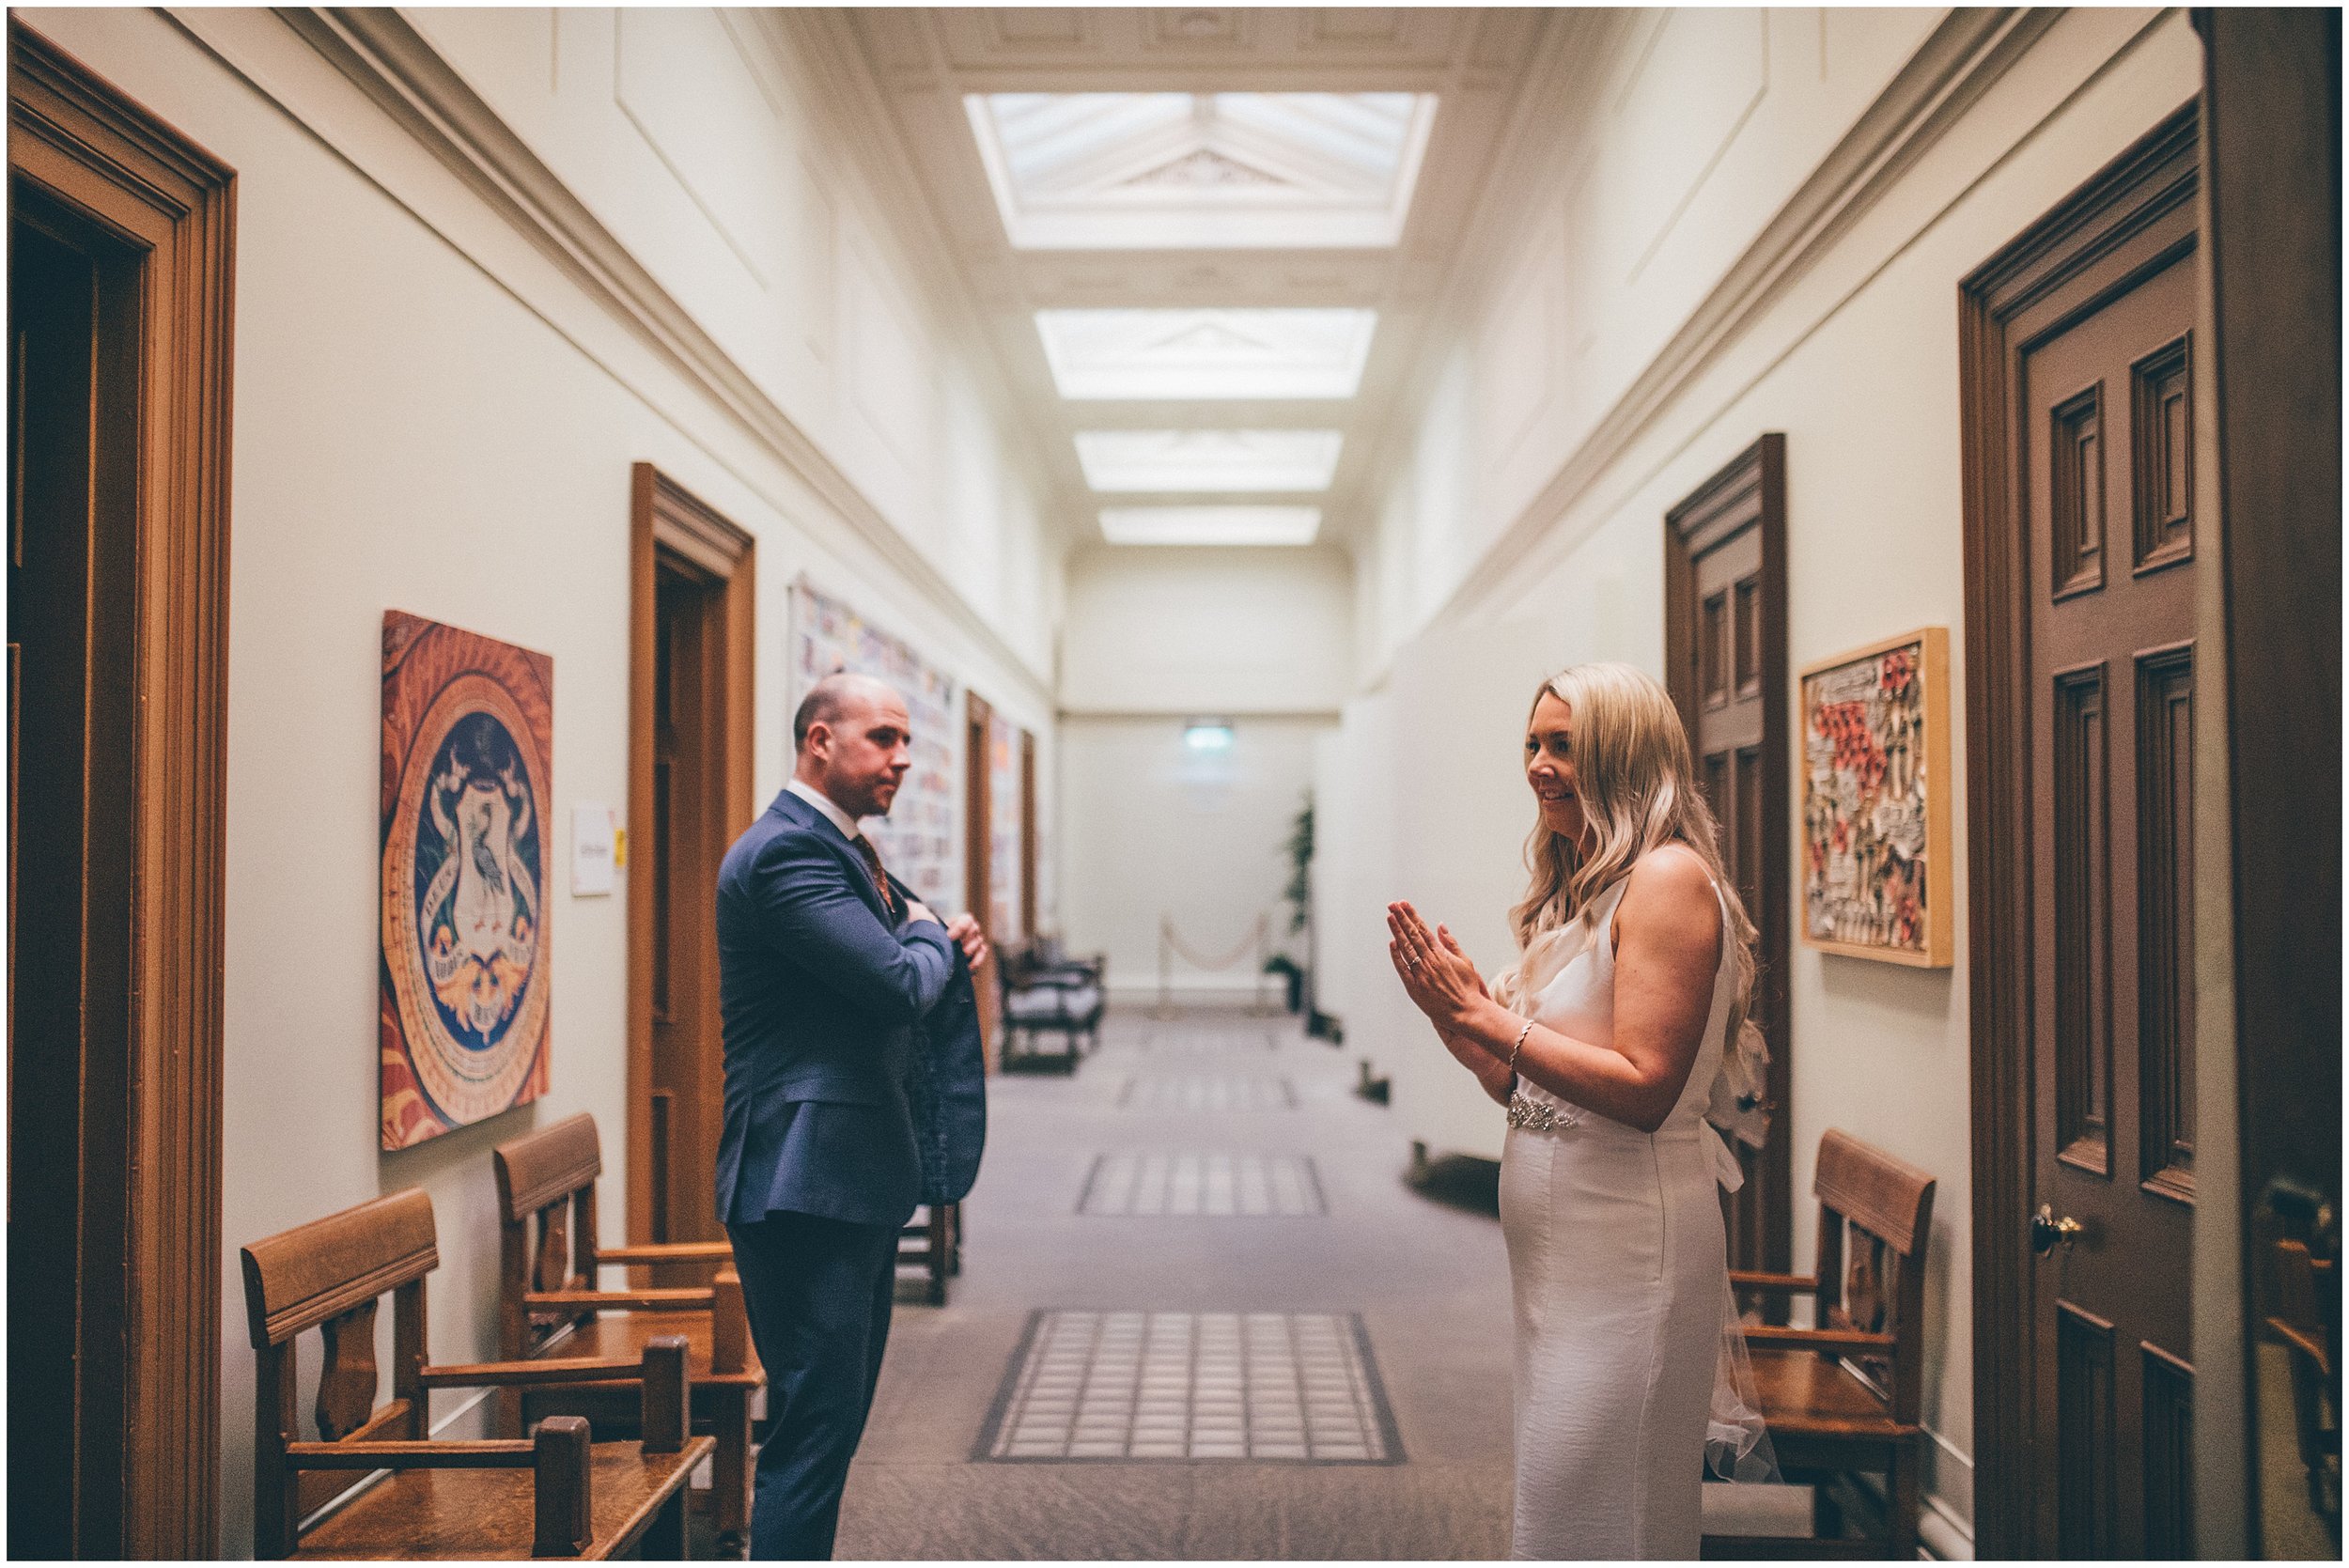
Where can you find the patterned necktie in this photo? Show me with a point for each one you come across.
(864, 847)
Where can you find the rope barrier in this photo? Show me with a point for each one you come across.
(1256, 942)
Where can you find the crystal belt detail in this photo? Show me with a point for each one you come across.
(1539, 1115)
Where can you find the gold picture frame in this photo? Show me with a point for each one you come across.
(1875, 864)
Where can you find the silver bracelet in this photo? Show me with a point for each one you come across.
(1515, 1047)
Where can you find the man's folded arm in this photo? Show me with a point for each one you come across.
(809, 911)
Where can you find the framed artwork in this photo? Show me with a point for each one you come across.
(1876, 802)
(917, 838)
(467, 802)
(1003, 878)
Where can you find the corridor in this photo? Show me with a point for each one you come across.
(1135, 488)
(1412, 1280)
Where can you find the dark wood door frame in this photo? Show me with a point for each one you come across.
(1027, 838)
(2028, 291)
(2272, 130)
(671, 530)
(1750, 491)
(87, 149)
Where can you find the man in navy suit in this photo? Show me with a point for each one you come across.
(825, 969)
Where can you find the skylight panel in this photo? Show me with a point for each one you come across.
(1210, 525)
(1117, 171)
(1206, 353)
(1209, 460)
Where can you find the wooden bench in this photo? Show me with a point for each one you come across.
(558, 1493)
(1844, 1397)
(549, 1302)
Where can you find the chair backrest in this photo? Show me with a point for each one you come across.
(1876, 1215)
(331, 1275)
(546, 1226)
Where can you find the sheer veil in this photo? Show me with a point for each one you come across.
(1736, 1442)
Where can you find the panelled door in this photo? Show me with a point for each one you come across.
(1725, 599)
(2107, 469)
(692, 621)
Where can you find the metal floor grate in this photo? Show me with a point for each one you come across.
(1211, 1184)
(1294, 1387)
(1208, 1093)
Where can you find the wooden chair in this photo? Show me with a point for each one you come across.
(2306, 1291)
(1845, 1397)
(1044, 994)
(549, 1302)
(557, 1494)
(931, 1241)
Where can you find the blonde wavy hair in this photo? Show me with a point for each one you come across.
(1637, 783)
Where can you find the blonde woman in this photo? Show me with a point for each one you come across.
(1604, 1041)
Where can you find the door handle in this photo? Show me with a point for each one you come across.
(2048, 1233)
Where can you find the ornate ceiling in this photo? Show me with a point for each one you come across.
(1207, 354)
(1201, 171)
(1204, 243)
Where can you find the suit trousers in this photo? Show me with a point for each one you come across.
(819, 1293)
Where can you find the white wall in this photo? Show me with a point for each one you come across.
(1156, 830)
(1854, 356)
(430, 417)
(1162, 630)
(1149, 829)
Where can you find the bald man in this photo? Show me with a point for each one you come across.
(826, 968)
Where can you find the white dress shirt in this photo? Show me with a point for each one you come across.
(822, 803)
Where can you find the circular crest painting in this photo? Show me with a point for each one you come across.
(467, 726)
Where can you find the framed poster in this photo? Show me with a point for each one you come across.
(1876, 802)
(917, 838)
(467, 790)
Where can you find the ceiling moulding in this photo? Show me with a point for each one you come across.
(1961, 60)
(1210, 525)
(1197, 355)
(1212, 461)
(387, 58)
(1189, 171)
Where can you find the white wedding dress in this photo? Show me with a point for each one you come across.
(1620, 1269)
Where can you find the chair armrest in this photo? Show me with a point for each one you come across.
(557, 1455)
(497, 1453)
(517, 1374)
(1815, 1339)
(2304, 1343)
(729, 1326)
(1790, 1284)
(664, 1301)
(661, 1373)
(666, 1251)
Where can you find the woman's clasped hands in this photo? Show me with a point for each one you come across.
(1440, 980)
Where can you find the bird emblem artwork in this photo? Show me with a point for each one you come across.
(478, 909)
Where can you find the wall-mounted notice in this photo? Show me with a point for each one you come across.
(592, 857)
(917, 839)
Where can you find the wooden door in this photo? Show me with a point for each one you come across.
(70, 820)
(2084, 545)
(2273, 130)
(681, 845)
(2108, 417)
(1725, 620)
(120, 236)
(690, 796)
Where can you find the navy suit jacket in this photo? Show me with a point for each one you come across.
(825, 1007)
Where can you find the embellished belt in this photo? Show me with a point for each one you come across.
(1539, 1115)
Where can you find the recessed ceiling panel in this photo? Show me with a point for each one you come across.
(1210, 525)
(1178, 171)
(1234, 462)
(1206, 353)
